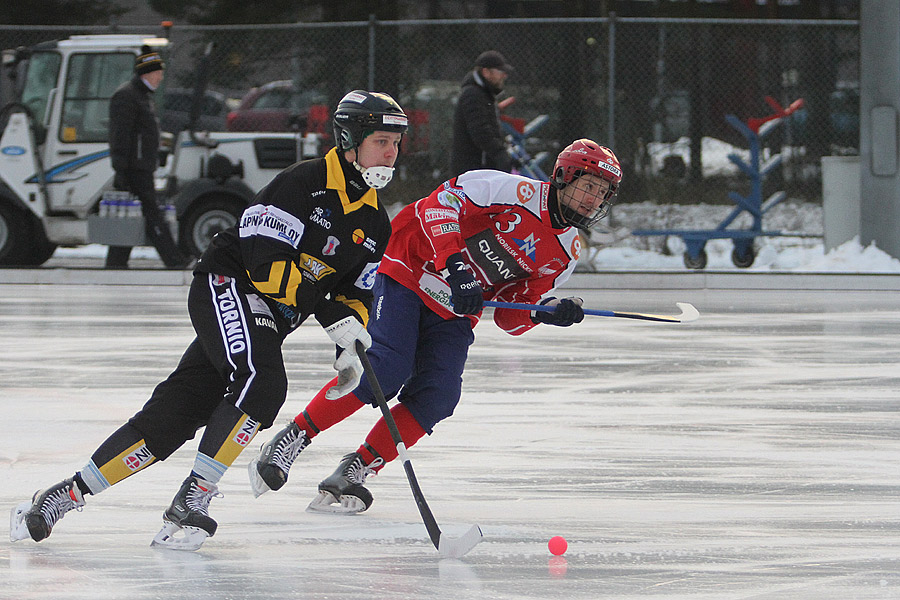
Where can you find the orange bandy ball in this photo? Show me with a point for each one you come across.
(557, 545)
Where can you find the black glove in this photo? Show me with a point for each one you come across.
(465, 293)
(567, 312)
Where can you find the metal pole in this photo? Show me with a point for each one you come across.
(611, 84)
(372, 51)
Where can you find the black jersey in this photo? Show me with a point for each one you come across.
(311, 241)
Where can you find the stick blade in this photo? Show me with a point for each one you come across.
(449, 547)
(688, 312)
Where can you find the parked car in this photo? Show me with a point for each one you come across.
(279, 106)
(176, 110)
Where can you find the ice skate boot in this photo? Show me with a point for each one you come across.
(186, 523)
(343, 491)
(36, 519)
(269, 470)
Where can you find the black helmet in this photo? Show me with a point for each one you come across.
(361, 111)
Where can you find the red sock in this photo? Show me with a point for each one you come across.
(321, 413)
(380, 440)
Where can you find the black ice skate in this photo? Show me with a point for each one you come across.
(36, 519)
(343, 491)
(269, 470)
(188, 515)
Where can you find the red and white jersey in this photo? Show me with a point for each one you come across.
(501, 225)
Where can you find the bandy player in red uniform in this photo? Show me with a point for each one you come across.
(482, 235)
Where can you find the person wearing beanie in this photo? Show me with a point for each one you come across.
(134, 150)
(478, 142)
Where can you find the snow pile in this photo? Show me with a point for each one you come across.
(613, 248)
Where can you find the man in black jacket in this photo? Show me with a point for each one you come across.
(477, 140)
(134, 149)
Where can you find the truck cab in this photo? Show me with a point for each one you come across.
(54, 153)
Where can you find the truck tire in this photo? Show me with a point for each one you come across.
(204, 219)
(14, 234)
(40, 248)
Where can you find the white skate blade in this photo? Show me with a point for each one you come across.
(257, 483)
(325, 502)
(449, 547)
(173, 537)
(18, 530)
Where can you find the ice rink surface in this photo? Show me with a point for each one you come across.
(754, 453)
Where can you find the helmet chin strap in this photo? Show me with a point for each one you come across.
(375, 177)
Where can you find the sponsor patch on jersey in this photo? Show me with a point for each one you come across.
(443, 228)
(258, 306)
(272, 222)
(320, 217)
(331, 245)
(138, 458)
(221, 280)
(434, 214)
(315, 267)
(359, 237)
(451, 199)
(266, 322)
(551, 268)
(525, 191)
(366, 279)
(437, 288)
(496, 258)
(528, 245)
(575, 251)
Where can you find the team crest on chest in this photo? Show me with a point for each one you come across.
(331, 245)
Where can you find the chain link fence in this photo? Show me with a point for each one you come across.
(656, 90)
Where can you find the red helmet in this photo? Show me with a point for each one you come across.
(580, 157)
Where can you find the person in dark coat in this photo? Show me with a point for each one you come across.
(477, 139)
(134, 150)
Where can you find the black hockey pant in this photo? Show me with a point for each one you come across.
(236, 358)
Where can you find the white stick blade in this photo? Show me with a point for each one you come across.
(688, 312)
(449, 547)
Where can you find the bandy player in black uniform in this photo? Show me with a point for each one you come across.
(309, 244)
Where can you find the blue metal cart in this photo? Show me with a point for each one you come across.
(744, 253)
(530, 166)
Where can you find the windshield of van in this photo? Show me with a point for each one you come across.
(43, 69)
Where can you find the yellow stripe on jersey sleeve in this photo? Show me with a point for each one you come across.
(282, 283)
(357, 307)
